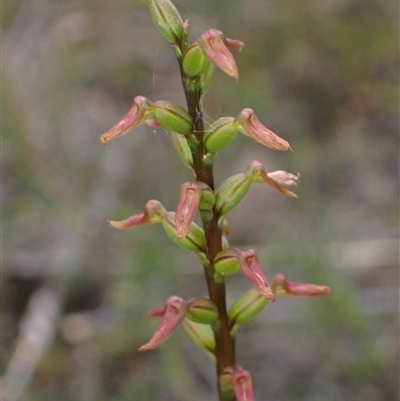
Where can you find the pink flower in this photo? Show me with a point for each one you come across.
(139, 112)
(187, 207)
(280, 180)
(173, 314)
(251, 268)
(215, 47)
(241, 382)
(282, 287)
(253, 128)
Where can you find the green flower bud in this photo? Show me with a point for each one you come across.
(201, 335)
(220, 134)
(225, 263)
(225, 384)
(202, 310)
(194, 241)
(173, 117)
(248, 306)
(181, 147)
(207, 200)
(231, 193)
(167, 20)
(194, 61)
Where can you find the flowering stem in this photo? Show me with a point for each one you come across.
(224, 342)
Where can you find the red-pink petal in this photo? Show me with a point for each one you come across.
(175, 310)
(282, 287)
(213, 46)
(253, 128)
(279, 180)
(138, 219)
(241, 382)
(187, 207)
(138, 113)
(153, 213)
(251, 268)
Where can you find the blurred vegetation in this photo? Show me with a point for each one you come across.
(75, 293)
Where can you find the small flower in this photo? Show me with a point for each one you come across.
(187, 207)
(141, 110)
(215, 47)
(280, 179)
(173, 315)
(154, 212)
(253, 128)
(282, 287)
(251, 268)
(241, 382)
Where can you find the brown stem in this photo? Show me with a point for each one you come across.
(224, 342)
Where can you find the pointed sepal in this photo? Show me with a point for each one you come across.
(154, 212)
(282, 287)
(252, 127)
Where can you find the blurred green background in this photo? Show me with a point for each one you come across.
(75, 293)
